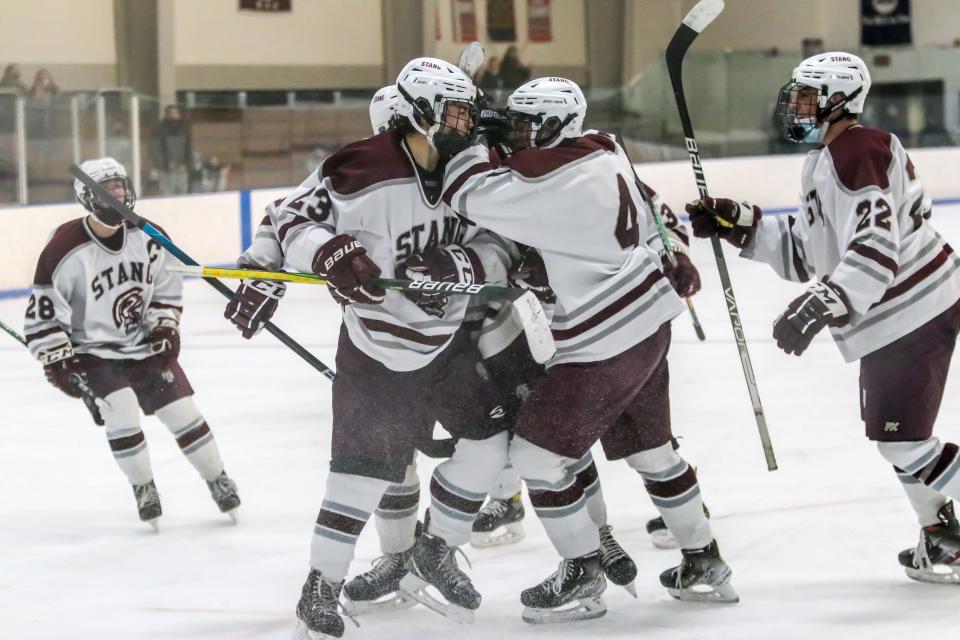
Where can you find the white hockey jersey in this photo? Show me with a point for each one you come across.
(863, 225)
(370, 190)
(579, 206)
(103, 302)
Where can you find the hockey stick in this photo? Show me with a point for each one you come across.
(167, 244)
(78, 381)
(702, 14)
(664, 238)
(529, 311)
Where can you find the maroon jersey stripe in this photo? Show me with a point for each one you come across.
(609, 311)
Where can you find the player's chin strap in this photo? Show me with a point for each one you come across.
(831, 108)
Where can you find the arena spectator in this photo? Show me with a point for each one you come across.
(171, 152)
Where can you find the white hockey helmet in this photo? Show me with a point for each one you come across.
(439, 101)
(383, 107)
(544, 111)
(840, 82)
(104, 170)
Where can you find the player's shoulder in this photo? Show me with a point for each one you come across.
(366, 163)
(537, 163)
(862, 156)
(64, 241)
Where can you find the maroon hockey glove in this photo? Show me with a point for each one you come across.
(735, 222)
(164, 341)
(62, 369)
(684, 278)
(343, 262)
(822, 304)
(253, 304)
(531, 274)
(453, 263)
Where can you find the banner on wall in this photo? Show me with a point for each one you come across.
(885, 22)
(265, 5)
(465, 20)
(501, 21)
(538, 21)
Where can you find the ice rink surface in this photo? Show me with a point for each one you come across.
(813, 546)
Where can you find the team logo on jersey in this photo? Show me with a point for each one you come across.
(128, 310)
(167, 376)
(497, 412)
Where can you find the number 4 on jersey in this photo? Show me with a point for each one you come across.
(627, 232)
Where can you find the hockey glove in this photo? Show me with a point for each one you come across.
(822, 304)
(530, 274)
(343, 262)
(62, 368)
(452, 263)
(253, 304)
(684, 278)
(164, 341)
(735, 222)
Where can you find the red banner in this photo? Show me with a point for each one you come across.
(465, 20)
(265, 5)
(538, 21)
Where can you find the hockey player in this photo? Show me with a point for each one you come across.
(885, 282)
(373, 207)
(609, 378)
(104, 311)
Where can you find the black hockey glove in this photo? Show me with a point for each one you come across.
(343, 262)
(164, 341)
(452, 263)
(822, 304)
(253, 304)
(735, 222)
(530, 274)
(684, 278)
(62, 369)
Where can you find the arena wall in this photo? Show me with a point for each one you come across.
(213, 228)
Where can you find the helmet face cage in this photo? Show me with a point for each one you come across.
(100, 209)
(457, 114)
(797, 111)
(531, 131)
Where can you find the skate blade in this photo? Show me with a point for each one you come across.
(234, 515)
(154, 524)
(395, 601)
(631, 588)
(301, 632)
(663, 539)
(415, 587)
(937, 574)
(499, 537)
(724, 593)
(580, 609)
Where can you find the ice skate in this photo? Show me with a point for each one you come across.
(434, 564)
(618, 567)
(573, 592)
(379, 588)
(702, 576)
(936, 557)
(148, 503)
(500, 522)
(317, 611)
(223, 490)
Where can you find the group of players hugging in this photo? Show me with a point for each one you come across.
(450, 189)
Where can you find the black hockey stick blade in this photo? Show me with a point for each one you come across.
(702, 14)
(169, 245)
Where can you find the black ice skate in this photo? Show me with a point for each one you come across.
(702, 576)
(148, 503)
(379, 588)
(500, 522)
(317, 614)
(573, 592)
(660, 536)
(619, 568)
(434, 564)
(223, 490)
(937, 556)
